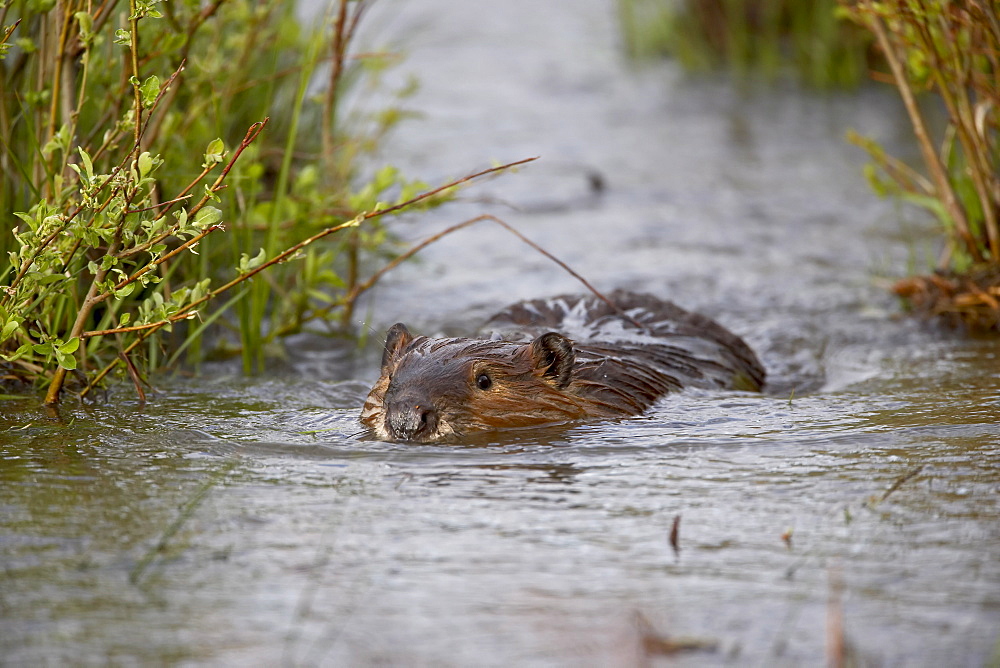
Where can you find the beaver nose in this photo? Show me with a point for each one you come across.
(408, 421)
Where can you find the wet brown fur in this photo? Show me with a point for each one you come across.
(433, 389)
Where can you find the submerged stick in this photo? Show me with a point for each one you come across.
(654, 643)
(187, 511)
(835, 643)
(675, 531)
(900, 481)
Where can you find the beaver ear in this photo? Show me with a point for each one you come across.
(396, 339)
(553, 355)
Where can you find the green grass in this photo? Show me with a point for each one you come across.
(768, 38)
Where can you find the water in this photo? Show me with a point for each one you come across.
(236, 521)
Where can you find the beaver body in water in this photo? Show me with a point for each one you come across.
(550, 361)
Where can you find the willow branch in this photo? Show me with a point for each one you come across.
(251, 135)
(248, 139)
(148, 329)
(134, 52)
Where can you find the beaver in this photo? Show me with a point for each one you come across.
(551, 361)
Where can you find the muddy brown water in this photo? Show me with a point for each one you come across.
(236, 521)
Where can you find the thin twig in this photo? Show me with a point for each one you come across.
(137, 82)
(248, 139)
(900, 481)
(472, 221)
(168, 203)
(338, 48)
(136, 378)
(149, 329)
(185, 514)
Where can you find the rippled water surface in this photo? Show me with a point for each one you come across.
(235, 521)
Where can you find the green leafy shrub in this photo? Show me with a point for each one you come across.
(150, 151)
(950, 50)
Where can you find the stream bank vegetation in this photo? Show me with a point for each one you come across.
(171, 167)
(941, 56)
(950, 52)
(764, 38)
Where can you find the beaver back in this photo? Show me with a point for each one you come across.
(643, 334)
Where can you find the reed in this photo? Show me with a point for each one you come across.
(949, 53)
(768, 38)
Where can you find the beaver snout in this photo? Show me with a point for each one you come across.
(411, 419)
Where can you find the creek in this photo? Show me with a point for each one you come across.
(246, 521)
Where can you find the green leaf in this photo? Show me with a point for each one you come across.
(26, 44)
(70, 346)
(248, 264)
(307, 180)
(385, 178)
(207, 216)
(124, 291)
(66, 361)
(42, 348)
(20, 352)
(214, 153)
(50, 278)
(123, 37)
(9, 329)
(150, 88)
(86, 22)
(88, 164)
(59, 142)
(145, 164)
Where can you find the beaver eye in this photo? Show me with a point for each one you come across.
(484, 382)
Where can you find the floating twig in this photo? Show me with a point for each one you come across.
(654, 643)
(900, 481)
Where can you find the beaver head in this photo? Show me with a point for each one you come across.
(436, 389)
